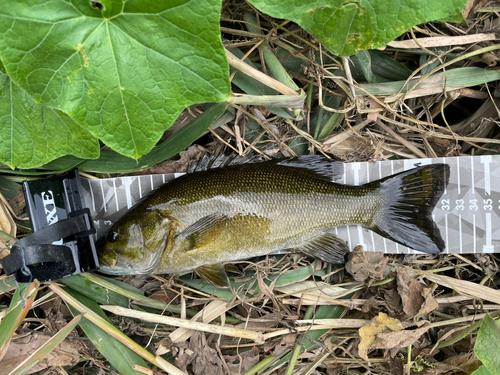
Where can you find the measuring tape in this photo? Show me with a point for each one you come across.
(468, 213)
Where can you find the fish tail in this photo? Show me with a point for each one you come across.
(405, 212)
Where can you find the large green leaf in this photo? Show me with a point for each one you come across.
(32, 134)
(345, 27)
(112, 162)
(487, 344)
(124, 73)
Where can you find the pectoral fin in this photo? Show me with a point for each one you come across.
(213, 273)
(327, 247)
(201, 232)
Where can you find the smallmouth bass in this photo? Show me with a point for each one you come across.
(201, 220)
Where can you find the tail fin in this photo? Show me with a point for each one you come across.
(411, 197)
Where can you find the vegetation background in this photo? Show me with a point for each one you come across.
(118, 88)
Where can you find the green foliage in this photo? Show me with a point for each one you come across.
(32, 134)
(118, 71)
(486, 348)
(124, 73)
(113, 162)
(482, 371)
(345, 27)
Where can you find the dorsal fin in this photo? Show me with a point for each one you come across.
(317, 166)
(223, 160)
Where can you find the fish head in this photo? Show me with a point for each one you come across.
(134, 245)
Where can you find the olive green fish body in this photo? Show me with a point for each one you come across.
(228, 214)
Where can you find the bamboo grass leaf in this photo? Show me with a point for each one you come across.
(119, 355)
(46, 348)
(19, 307)
(435, 84)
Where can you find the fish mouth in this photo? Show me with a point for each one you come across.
(108, 264)
(108, 258)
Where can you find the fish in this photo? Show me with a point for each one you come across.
(202, 220)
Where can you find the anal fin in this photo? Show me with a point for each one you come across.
(213, 273)
(326, 246)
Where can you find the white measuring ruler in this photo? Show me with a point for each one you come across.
(468, 213)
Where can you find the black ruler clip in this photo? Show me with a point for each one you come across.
(62, 242)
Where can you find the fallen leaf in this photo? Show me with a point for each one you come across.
(378, 325)
(366, 266)
(472, 7)
(20, 348)
(286, 342)
(417, 300)
(192, 153)
(386, 299)
(204, 359)
(238, 364)
(18, 204)
(7, 224)
(373, 105)
(393, 341)
(54, 318)
(484, 261)
(466, 362)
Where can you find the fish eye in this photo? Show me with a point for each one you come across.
(113, 236)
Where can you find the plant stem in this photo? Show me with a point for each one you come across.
(286, 101)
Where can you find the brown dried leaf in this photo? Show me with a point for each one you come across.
(204, 359)
(417, 300)
(378, 325)
(465, 362)
(485, 262)
(366, 266)
(7, 223)
(394, 341)
(286, 342)
(187, 156)
(373, 105)
(238, 364)
(385, 299)
(352, 149)
(472, 7)
(464, 345)
(66, 354)
(18, 203)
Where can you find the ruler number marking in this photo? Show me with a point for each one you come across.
(473, 205)
(488, 204)
(445, 204)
